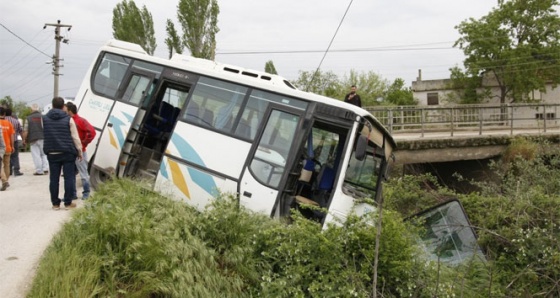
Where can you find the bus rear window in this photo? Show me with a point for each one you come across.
(108, 75)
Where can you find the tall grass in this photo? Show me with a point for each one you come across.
(131, 242)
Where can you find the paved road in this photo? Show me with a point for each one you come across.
(27, 225)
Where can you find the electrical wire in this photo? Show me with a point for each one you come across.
(24, 40)
(330, 44)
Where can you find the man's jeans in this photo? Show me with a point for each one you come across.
(82, 166)
(58, 163)
(5, 167)
(39, 157)
(14, 159)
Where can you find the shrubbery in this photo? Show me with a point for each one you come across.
(134, 243)
(130, 242)
(517, 219)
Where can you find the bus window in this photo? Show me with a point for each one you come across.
(215, 103)
(109, 74)
(255, 108)
(175, 98)
(269, 161)
(134, 92)
(149, 70)
(364, 173)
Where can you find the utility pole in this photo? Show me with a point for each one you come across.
(56, 57)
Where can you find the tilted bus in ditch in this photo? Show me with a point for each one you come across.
(193, 127)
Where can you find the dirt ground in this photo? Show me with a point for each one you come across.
(27, 225)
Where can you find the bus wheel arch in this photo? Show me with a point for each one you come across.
(97, 177)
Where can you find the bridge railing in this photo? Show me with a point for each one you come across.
(480, 118)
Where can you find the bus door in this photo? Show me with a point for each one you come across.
(266, 172)
(124, 115)
(150, 143)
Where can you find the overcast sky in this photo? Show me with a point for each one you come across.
(394, 38)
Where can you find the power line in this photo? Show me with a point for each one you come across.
(24, 58)
(330, 44)
(334, 51)
(25, 41)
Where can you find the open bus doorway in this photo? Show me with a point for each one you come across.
(154, 133)
(318, 166)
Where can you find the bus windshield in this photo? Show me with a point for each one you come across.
(364, 173)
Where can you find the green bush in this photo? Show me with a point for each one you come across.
(520, 237)
(131, 242)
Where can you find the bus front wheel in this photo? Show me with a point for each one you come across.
(97, 177)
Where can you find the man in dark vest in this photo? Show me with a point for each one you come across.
(33, 135)
(62, 146)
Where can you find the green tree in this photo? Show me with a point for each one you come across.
(400, 95)
(467, 89)
(7, 102)
(370, 86)
(134, 25)
(173, 41)
(199, 19)
(269, 68)
(323, 83)
(517, 44)
(19, 108)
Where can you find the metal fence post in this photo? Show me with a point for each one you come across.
(390, 120)
(480, 115)
(452, 122)
(545, 116)
(511, 117)
(422, 119)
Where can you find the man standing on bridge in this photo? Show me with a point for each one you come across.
(353, 97)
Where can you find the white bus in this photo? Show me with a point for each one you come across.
(193, 128)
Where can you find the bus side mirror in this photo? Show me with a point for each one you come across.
(361, 147)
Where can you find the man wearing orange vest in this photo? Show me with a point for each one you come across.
(8, 133)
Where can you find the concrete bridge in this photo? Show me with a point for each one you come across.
(465, 132)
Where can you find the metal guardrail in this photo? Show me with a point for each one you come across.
(481, 118)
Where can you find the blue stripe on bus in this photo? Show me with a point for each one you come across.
(117, 128)
(128, 117)
(163, 169)
(187, 152)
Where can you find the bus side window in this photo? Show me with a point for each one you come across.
(243, 129)
(218, 104)
(134, 92)
(109, 73)
(207, 117)
(193, 112)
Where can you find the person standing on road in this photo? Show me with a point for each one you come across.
(62, 146)
(14, 158)
(87, 134)
(2, 149)
(353, 97)
(8, 134)
(33, 135)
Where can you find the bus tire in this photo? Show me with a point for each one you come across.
(97, 177)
